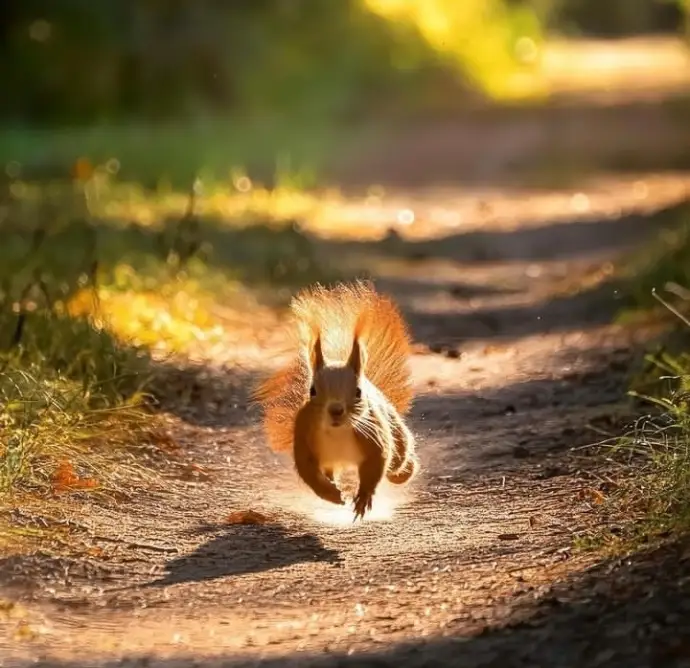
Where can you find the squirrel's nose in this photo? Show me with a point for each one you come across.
(336, 410)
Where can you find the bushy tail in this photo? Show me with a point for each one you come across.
(337, 315)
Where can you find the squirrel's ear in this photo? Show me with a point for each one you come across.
(317, 362)
(358, 356)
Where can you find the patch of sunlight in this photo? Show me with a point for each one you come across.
(382, 510)
(266, 204)
(155, 319)
(486, 39)
(327, 212)
(288, 492)
(632, 63)
(386, 502)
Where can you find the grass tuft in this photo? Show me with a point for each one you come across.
(653, 491)
(69, 392)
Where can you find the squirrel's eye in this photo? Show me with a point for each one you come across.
(358, 393)
(312, 391)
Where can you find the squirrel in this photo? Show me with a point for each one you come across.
(340, 402)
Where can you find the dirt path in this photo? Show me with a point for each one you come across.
(472, 565)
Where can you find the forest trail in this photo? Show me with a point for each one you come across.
(473, 563)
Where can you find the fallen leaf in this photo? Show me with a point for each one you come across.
(597, 496)
(7, 608)
(66, 478)
(247, 517)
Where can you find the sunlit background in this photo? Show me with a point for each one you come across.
(170, 91)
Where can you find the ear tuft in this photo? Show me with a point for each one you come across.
(317, 362)
(357, 359)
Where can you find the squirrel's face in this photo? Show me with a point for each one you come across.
(337, 389)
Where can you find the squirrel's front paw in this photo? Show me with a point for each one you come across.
(363, 502)
(335, 496)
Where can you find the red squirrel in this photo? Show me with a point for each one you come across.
(340, 403)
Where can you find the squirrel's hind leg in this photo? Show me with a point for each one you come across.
(404, 464)
(405, 473)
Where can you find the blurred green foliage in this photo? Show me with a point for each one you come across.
(71, 61)
(78, 60)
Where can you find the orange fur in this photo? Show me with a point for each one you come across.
(336, 316)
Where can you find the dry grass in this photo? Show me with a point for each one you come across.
(79, 412)
(647, 487)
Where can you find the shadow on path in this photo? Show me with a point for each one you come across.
(242, 549)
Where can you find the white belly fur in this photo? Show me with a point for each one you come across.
(338, 448)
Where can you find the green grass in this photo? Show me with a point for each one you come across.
(71, 395)
(173, 154)
(652, 459)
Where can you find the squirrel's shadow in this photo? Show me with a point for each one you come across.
(243, 549)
